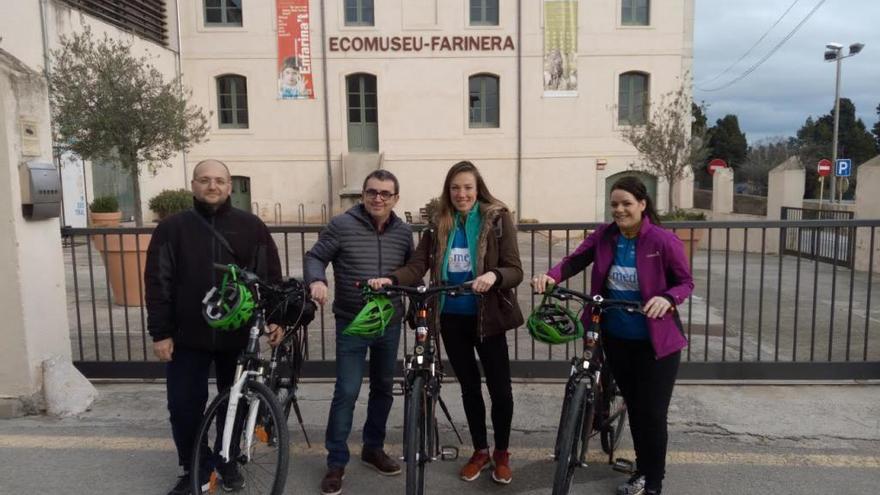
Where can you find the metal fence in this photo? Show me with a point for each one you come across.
(754, 313)
(835, 245)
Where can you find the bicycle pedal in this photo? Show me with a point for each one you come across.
(624, 466)
(448, 453)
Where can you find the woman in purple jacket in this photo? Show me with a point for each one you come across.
(636, 259)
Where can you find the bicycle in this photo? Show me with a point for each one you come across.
(422, 379)
(592, 403)
(244, 429)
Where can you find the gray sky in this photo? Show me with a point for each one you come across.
(794, 82)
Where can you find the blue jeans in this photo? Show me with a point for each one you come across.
(351, 353)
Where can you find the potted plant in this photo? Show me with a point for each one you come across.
(171, 201)
(104, 212)
(689, 237)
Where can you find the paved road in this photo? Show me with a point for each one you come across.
(725, 439)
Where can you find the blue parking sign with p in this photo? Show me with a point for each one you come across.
(843, 167)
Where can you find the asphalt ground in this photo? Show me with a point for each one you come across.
(724, 439)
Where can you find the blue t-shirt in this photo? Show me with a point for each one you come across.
(623, 283)
(460, 270)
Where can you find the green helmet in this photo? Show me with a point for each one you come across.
(229, 306)
(553, 323)
(373, 317)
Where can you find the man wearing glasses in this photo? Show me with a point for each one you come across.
(367, 241)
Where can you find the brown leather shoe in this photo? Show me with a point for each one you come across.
(332, 482)
(501, 473)
(477, 463)
(379, 460)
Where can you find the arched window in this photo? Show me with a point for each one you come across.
(632, 103)
(483, 100)
(232, 108)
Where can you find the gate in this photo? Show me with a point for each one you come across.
(837, 245)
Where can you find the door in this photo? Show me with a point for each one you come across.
(241, 192)
(650, 184)
(363, 121)
(108, 179)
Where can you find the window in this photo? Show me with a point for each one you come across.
(223, 12)
(147, 19)
(358, 12)
(634, 12)
(483, 101)
(232, 102)
(484, 12)
(633, 102)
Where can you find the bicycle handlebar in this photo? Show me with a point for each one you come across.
(601, 302)
(421, 291)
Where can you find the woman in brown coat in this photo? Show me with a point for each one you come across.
(473, 238)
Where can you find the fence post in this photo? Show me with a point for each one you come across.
(867, 207)
(785, 187)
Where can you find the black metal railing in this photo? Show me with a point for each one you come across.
(754, 313)
(829, 245)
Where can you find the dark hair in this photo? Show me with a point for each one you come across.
(293, 62)
(637, 188)
(383, 175)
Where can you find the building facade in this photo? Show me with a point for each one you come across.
(533, 92)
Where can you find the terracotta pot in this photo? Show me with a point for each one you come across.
(125, 256)
(690, 238)
(112, 219)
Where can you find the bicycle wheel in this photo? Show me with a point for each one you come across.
(262, 463)
(570, 434)
(616, 417)
(414, 437)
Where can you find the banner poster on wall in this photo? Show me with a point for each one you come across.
(73, 190)
(294, 51)
(560, 47)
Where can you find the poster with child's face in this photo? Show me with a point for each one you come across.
(294, 51)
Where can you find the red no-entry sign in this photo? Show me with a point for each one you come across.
(824, 167)
(715, 164)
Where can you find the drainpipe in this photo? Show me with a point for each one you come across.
(519, 137)
(326, 107)
(180, 79)
(45, 35)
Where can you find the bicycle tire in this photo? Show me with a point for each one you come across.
(569, 438)
(414, 437)
(613, 430)
(265, 472)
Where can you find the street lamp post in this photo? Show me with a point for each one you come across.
(834, 52)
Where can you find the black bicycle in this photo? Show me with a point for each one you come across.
(593, 403)
(244, 433)
(422, 379)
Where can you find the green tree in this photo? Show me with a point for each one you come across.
(815, 140)
(876, 129)
(108, 103)
(764, 156)
(665, 144)
(728, 142)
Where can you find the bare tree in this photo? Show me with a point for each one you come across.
(666, 144)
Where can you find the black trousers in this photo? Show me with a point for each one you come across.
(461, 339)
(646, 385)
(187, 387)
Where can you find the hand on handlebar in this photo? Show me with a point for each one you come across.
(484, 282)
(378, 283)
(541, 282)
(275, 334)
(657, 306)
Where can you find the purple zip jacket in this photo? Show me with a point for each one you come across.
(662, 268)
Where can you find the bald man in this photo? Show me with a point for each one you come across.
(178, 273)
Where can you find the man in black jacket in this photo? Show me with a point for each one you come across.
(367, 241)
(179, 271)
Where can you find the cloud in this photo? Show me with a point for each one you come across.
(795, 82)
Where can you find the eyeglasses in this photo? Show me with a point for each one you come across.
(385, 195)
(206, 181)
